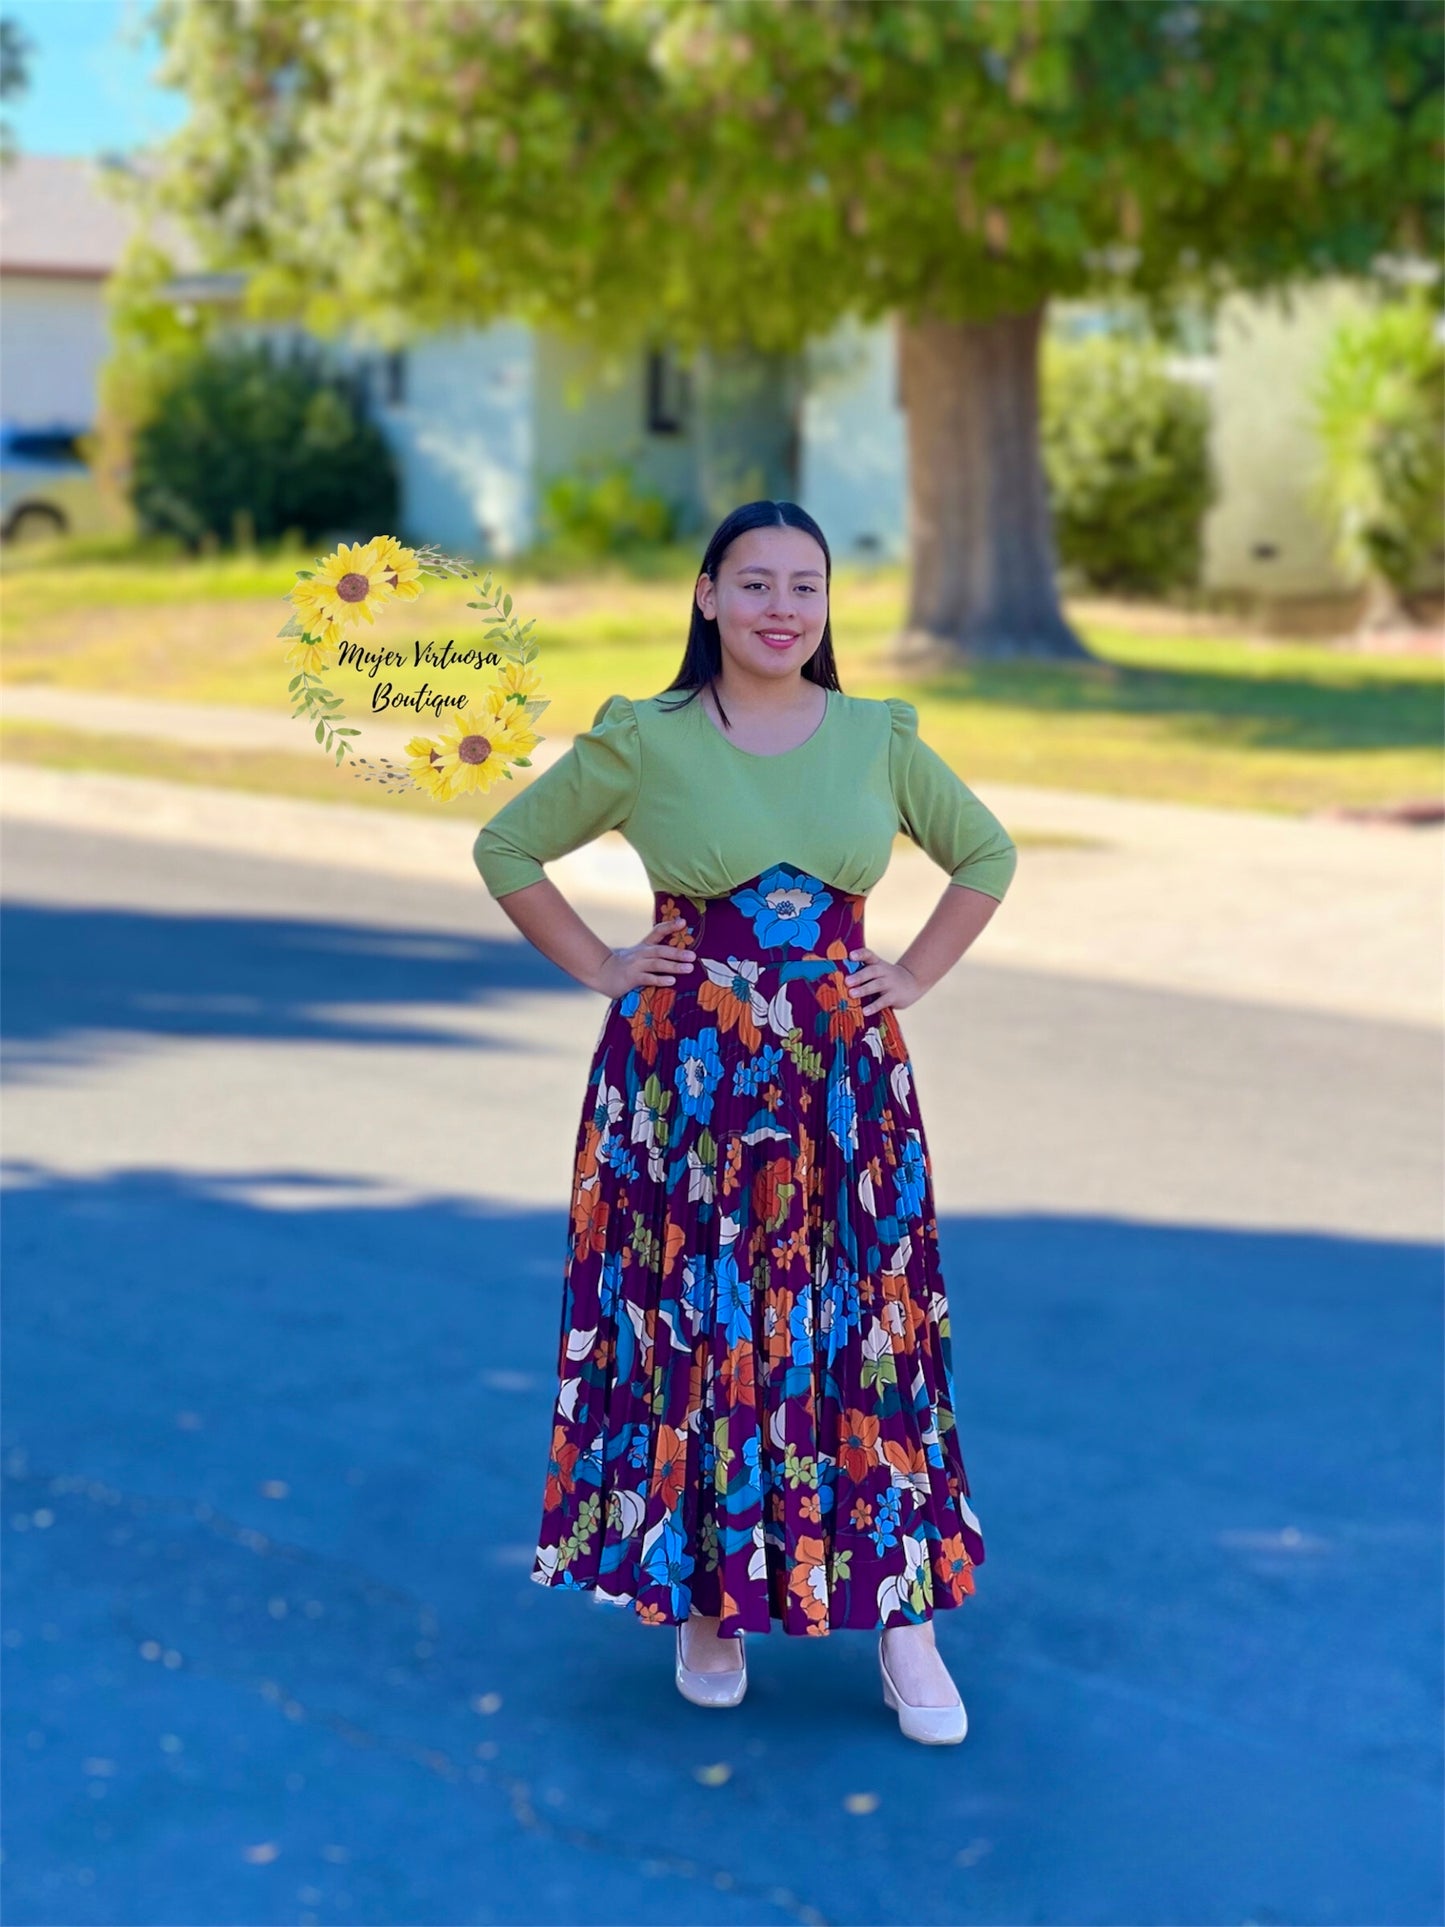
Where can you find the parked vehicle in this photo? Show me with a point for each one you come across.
(46, 487)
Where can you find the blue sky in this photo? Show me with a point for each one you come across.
(91, 88)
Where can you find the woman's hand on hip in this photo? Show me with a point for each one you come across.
(893, 984)
(653, 961)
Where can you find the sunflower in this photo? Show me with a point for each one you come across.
(348, 584)
(518, 679)
(425, 767)
(478, 745)
(399, 566)
(308, 653)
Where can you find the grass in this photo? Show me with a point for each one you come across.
(277, 773)
(1221, 717)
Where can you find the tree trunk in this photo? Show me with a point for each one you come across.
(980, 533)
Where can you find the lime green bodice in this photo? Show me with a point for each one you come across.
(705, 815)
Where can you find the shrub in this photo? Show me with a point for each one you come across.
(1126, 453)
(1379, 398)
(594, 513)
(243, 445)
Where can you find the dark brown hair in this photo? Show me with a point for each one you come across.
(702, 659)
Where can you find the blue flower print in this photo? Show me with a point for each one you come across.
(621, 1160)
(750, 1077)
(698, 1074)
(669, 1562)
(785, 907)
(841, 1300)
(843, 1115)
(800, 1324)
(697, 1292)
(609, 1289)
(909, 1178)
(885, 1520)
(734, 1299)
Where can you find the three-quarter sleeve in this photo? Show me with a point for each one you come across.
(590, 788)
(942, 814)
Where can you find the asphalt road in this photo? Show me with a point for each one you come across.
(286, 1156)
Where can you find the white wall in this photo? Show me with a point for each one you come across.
(463, 438)
(1264, 446)
(853, 455)
(53, 339)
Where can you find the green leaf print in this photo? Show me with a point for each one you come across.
(808, 1060)
(657, 1101)
(707, 1543)
(645, 1243)
(799, 1471)
(881, 1371)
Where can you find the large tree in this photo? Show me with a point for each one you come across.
(730, 173)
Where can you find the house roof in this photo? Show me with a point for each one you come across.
(58, 218)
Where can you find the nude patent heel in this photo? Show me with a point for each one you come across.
(712, 1689)
(932, 1725)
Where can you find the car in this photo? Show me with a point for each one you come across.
(46, 486)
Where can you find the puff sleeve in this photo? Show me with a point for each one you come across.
(590, 788)
(942, 814)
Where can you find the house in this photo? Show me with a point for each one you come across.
(481, 420)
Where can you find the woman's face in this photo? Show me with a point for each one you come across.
(770, 601)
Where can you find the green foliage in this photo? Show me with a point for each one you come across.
(599, 511)
(245, 444)
(1126, 452)
(1379, 400)
(733, 173)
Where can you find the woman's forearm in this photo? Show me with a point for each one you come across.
(957, 919)
(546, 919)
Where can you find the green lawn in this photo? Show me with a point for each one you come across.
(1223, 718)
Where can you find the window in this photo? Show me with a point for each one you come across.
(668, 394)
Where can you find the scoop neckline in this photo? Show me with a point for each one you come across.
(771, 755)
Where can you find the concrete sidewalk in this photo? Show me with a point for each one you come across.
(1304, 914)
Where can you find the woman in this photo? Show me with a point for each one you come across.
(755, 1416)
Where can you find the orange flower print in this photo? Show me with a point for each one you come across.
(739, 1385)
(669, 1465)
(732, 1166)
(730, 993)
(777, 1310)
(589, 1221)
(811, 1507)
(858, 1449)
(674, 1239)
(771, 1187)
(651, 1615)
(845, 1012)
(809, 1580)
(587, 1150)
(892, 1036)
(907, 1459)
(559, 1476)
(902, 1314)
(794, 1246)
(651, 1021)
(954, 1567)
(862, 1514)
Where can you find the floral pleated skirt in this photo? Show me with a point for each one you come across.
(755, 1413)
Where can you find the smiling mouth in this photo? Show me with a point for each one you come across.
(779, 635)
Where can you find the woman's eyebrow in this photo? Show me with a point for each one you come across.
(760, 569)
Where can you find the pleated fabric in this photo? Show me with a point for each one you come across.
(755, 1413)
